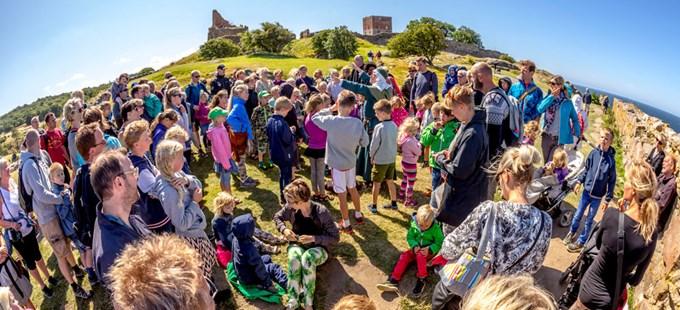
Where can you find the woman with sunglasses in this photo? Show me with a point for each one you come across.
(73, 114)
(130, 112)
(560, 122)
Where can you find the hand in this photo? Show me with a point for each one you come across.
(289, 235)
(416, 249)
(3, 253)
(179, 182)
(555, 92)
(577, 188)
(198, 195)
(195, 108)
(438, 125)
(305, 239)
(292, 129)
(16, 226)
(425, 251)
(334, 107)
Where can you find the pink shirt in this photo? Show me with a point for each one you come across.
(221, 146)
(399, 115)
(317, 136)
(410, 149)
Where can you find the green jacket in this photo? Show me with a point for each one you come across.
(438, 140)
(432, 237)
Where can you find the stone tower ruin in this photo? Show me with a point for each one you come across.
(222, 28)
(374, 25)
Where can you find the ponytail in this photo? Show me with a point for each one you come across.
(643, 181)
(649, 215)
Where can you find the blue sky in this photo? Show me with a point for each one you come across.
(625, 47)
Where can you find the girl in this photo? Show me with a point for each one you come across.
(278, 78)
(410, 151)
(531, 132)
(73, 114)
(558, 165)
(160, 125)
(221, 148)
(316, 148)
(426, 117)
(203, 120)
(221, 99)
(399, 114)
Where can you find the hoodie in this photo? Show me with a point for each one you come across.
(438, 139)
(35, 177)
(450, 80)
(239, 119)
(410, 149)
(186, 215)
(599, 178)
(432, 238)
(220, 145)
(281, 141)
(247, 261)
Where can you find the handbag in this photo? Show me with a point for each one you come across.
(461, 276)
(11, 234)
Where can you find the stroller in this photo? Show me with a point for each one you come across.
(547, 194)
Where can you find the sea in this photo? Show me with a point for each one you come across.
(667, 117)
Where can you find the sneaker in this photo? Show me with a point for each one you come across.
(419, 288)
(390, 285)
(53, 281)
(47, 292)
(390, 206)
(411, 203)
(78, 272)
(79, 292)
(574, 247)
(248, 183)
(359, 219)
(373, 208)
(569, 238)
(342, 228)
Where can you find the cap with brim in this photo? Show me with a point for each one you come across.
(221, 66)
(217, 112)
(263, 94)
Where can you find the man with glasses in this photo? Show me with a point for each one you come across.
(114, 179)
(425, 81)
(526, 91)
(90, 142)
(220, 82)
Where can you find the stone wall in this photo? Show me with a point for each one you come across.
(222, 28)
(451, 46)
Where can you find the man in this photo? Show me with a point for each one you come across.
(35, 178)
(220, 82)
(114, 178)
(193, 90)
(355, 75)
(304, 78)
(526, 91)
(90, 143)
(666, 191)
(53, 142)
(407, 87)
(425, 81)
(496, 105)
(35, 124)
(587, 99)
(152, 105)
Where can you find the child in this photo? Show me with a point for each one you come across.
(160, 126)
(203, 120)
(15, 278)
(355, 302)
(531, 132)
(345, 135)
(383, 153)
(251, 268)
(437, 137)
(426, 117)
(261, 114)
(424, 240)
(399, 114)
(316, 147)
(282, 143)
(67, 217)
(410, 151)
(179, 134)
(221, 147)
(334, 87)
(558, 165)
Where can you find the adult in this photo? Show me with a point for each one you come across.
(119, 85)
(497, 108)
(264, 83)
(407, 88)
(450, 80)
(521, 232)
(560, 122)
(152, 104)
(175, 103)
(36, 182)
(312, 234)
(424, 82)
(221, 81)
(155, 91)
(15, 221)
(131, 111)
(577, 100)
(303, 78)
(239, 121)
(179, 194)
(505, 83)
(194, 89)
(600, 282)
(91, 143)
(605, 103)
(666, 192)
(137, 284)
(54, 141)
(379, 89)
(464, 160)
(462, 75)
(657, 154)
(526, 90)
(587, 99)
(355, 75)
(114, 179)
(73, 114)
(94, 116)
(35, 124)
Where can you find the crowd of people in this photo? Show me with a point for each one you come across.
(114, 181)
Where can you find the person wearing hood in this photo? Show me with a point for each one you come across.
(598, 182)
(251, 268)
(560, 123)
(220, 82)
(505, 83)
(281, 140)
(239, 121)
(526, 91)
(379, 89)
(451, 79)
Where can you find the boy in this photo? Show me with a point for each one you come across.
(599, 180)
(424, 240)
(260, 117)
(345, 135)
(438, 136)
(281, 143)
(65, 210)
(383, 152)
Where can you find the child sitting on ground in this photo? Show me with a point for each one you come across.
(424, 240)
(531, 132)
(558, 165)
(67, 217)
(399, 114)
(261, 114)
(221, 148)
(383, 154)
(410, 151)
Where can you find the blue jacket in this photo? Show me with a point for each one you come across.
(156, 137)
(599, 179)
(238, 118)
(111, 235)
(530, 102)
(193, 93)
(281, 141)
(247, 261)
(222, 229)
(567, 114)
(450, 80)
(67, 217)
(149, 208)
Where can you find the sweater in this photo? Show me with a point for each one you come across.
(438, 139)
(431, 238)
(221, 226)
(425, 82)
(383, 148)
(148, 207)
(399, 115)
(193, 92)
(152, 107)
(410, 149)
(322, 218)
(317, 136)
(111, 235)
(238, 118)
(186, 215)
(36, 182)
(281, 141)
(345, 135)
(220, 145)
(157, 136)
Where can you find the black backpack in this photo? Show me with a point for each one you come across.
(25, 199)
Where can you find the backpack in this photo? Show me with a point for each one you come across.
(25, 199)
(515, 117)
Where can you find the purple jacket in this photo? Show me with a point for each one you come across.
(317, 136)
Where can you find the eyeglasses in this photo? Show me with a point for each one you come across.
(134, 171)
(100, 143)
(175, 95)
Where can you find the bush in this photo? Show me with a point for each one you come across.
(469, 36)
(338, 43)
(272, 38)
(421, 39)
(218, 48)
(446, 28)
(507, 58)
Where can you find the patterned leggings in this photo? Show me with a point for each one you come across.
(302, 274)
(409, 179)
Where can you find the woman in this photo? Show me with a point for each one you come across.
(94, 115)
(179, 195)
(263, 84)
(463, 161)
(15, 219)
(316, 147)
(640, 213)
(521, 233)
(557, 132)
(175, 102)
(278, 78)
(239, 121)
(131, 111)
(312, 233)
(450, 80)
(504, 83)
(73, 114)
(221, 99)
(657, 154)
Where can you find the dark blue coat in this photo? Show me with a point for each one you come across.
(281, 141)
(111, 235)
(599, 179)
(247, 261)
(147, 207)
(222, 228)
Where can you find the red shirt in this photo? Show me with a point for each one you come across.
(55, 145)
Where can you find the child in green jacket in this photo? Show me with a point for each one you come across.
(438, 136)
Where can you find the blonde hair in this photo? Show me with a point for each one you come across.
(169, 94)
(355, 302)
(313, 102)
(436, 108)
(531, 130)
(166, 152)
(520, 162)
(78, 94)
(177, 133)
(297, 191)
(396, 102)
(133, 132)
(70, 108)
(409, 126)
(459, 95)
(508, 293)
(560, 157)
(640, 176)
(222, 200)
(239, 89)
(147, 275)
(427, 100)
(204, 95)
(425, 215)
(54, 168)
(383, 105)
(282, 103)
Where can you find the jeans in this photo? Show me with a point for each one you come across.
(285, 178)
(586, 201)
(436, 178)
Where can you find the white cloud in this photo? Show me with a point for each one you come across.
(77, 80)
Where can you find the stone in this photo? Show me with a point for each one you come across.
(374, 25)
(222, 28)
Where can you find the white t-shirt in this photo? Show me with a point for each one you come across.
(12, 211)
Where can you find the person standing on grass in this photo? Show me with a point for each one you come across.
(526, 91)
(304, 79)
(345, 135)
(239, 121)
(73, 114)
(383, 153)
(587, 100)
(358, 67)
(316, 147)
(174, 102)
(410, 151)
(220, 82)
(281, 143)
(37, 184)
(260, 117)
(425, 81)
(437, 137)
(221, 147)
(407, 87)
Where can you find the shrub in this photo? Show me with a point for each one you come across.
(507, 58)
(272, 38)
(218, 48)
(469, 36)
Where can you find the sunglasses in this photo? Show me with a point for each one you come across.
(134, 171)
(176, 95)
(554, 84)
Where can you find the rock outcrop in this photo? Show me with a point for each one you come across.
(222, 28)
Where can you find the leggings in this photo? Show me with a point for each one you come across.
(318, 168)
(302, 274)
(242, 173)
(408, 180)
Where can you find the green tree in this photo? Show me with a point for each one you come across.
(271, 38)
(507, 58)
(218, 48)
(469, 36)
(446, 28)
(319, 43)
(338, 43)
(422, 39)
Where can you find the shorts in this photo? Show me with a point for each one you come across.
(381, 173)
(343, 179)
(224, 174)
(55, 237)
(315, 153)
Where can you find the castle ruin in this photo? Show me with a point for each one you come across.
(374, 25)
(222, 28)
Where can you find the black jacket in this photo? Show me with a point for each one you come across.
(220, 83)
(85, 202)
(247, 261)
